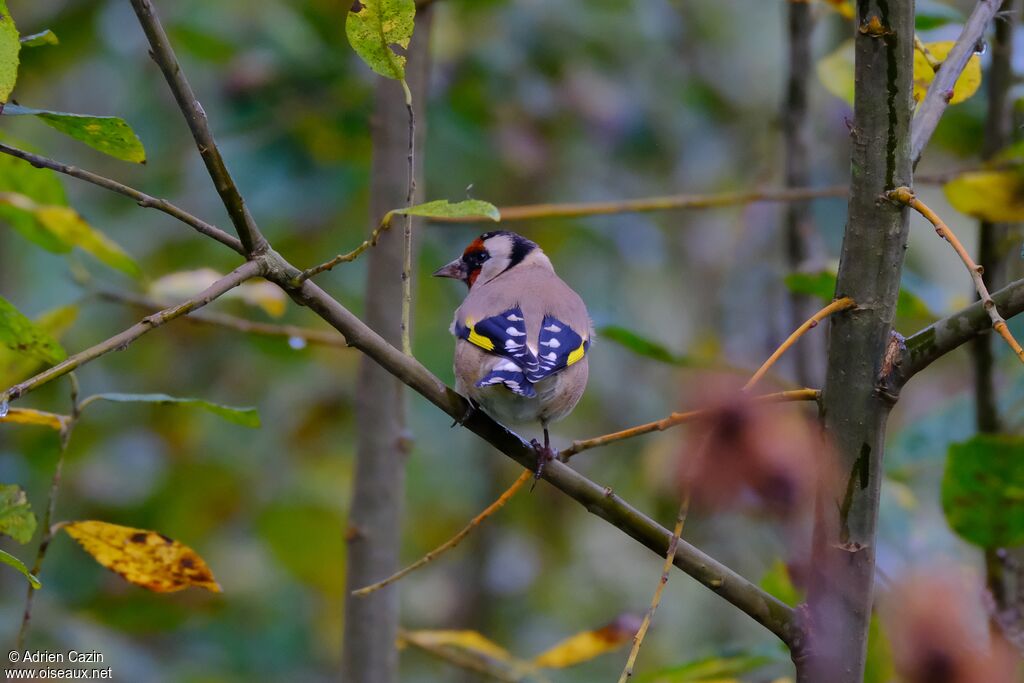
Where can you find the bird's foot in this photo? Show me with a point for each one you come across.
(545, 454)
(471, 408)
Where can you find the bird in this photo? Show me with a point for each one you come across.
(523, 335)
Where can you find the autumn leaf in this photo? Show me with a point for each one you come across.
(587, 645)
(20, 334)
(143, 557)
(178, 286)
(991, 195)
(375, 27)
(38, 418)
(966, 85)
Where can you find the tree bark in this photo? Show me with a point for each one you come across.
(857, 394)
(800, 234)
(369, 654)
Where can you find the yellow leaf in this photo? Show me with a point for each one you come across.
(188, 283)
(996, 196)
(589, 644)
(142, 557)
(28, 416)
(472, 641)
(835, 71)
(843, 7)
(965, 86)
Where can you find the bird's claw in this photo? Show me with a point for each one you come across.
(470, 409)
(545, 454)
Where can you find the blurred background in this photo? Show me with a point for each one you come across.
(530, 101)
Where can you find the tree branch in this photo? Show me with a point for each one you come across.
(942, 336)
(941, 89)
(118, 342)
(141, 198)
(758, 604)
(231, 322)
(252, 240)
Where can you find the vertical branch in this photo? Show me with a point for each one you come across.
(795, 131)
(374, 535)
(991, 257)
(856, 400)
(411, 193)
(991, 235)
(51, 507)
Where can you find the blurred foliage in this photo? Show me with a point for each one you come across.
(530, 102)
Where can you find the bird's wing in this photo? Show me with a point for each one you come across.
(530, 317)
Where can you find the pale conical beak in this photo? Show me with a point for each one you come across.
(455, 270)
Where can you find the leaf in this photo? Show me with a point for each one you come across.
(12, 561)
(46, 37)
(587, 645)
(39, 418)
(983, 490)
(966, 85)
(108, 134)
(470, 650)
(996, 195)
(247, 417)
(472, 641)
(718, 668)
(878, 667)
(306, 539)
(38, 184)
(929, 14)
(843, 7)
(642, 346)
(374, 27)
(777, 582)
(187, 283)
(10, 47)
(16, 518)
(19, 334)
(442, 208)
(54, 323)
(823, 286)
(835, 71)
(69, 228)
(144, 558)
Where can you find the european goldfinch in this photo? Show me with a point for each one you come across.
(522, 334)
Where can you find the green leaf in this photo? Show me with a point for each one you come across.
(835, 71)
(19, 334)
(983, 490)
(11, 560)
(642, 346)
(15, 366)
(46, 37)
(67, 226)
(39, 184)
(776, 581)
(713, 668)
(304, 538)
(442, 208)
(373, 27)
(16, 518)
(822, 285)
(929, 14)
(108, 134)
(247, 417)
(878, 667)
(10, 47)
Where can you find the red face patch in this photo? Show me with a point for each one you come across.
(473, 258)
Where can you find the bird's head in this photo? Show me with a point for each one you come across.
(490, 255)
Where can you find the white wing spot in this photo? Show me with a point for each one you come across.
(554, 343)
(513, 332)
(512, 317)
(551, 356)
(552, 328)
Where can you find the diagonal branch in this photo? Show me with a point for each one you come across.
(941, 89)
(943, 336)
(141, 198)
(118, 342)
(163, 54)
(758, 604)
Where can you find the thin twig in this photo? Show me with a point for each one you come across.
(834, 307)
(118, 342)
(407, 254)
(680, 201)
(141, 198)
(51, 505)
(162, 53)
(919, 45)
(670, 557)
(384, 224)
(453, 541)
(940, 92)
(675, 419)
(905, 195)
(231, 322)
